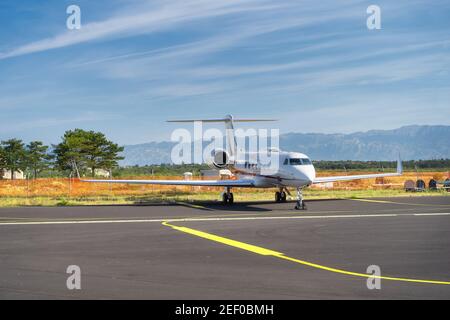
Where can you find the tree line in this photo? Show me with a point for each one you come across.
(381, 165)
(88, 150)
(164, 169)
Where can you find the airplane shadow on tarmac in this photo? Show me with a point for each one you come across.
(245, 206)
(262, 206)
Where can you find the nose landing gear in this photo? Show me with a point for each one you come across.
(300, 205)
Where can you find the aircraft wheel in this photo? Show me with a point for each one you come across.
(283, 196)
(300, 206)
(227, 198)
(224, 198)
(277, 196)
(231, 198)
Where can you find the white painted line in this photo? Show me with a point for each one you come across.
(81, 222)
(432, 214)
(286, 217)
(220, 219)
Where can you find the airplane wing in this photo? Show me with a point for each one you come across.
(206, 183)
(361, 176)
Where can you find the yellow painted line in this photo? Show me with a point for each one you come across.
(403, 203)
(230, 242)
(268, 252)
(364, 275)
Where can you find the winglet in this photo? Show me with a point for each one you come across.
(399, 165)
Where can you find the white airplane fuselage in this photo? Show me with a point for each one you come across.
(294, 169)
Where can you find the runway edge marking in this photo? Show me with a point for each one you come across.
(400, 203)
(269, 252)
(346, 216)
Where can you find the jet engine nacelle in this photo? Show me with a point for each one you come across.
(220, 159)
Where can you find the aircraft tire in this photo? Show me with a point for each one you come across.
(277, 196)
(231, 199)
(224, 198)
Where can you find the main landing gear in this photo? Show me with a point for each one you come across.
(227, 196)
(300, 203)
(280, 196)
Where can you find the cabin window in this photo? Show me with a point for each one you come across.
(285, 161)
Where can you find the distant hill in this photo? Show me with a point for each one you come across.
(414, 142)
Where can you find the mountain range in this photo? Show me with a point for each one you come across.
(413, 142)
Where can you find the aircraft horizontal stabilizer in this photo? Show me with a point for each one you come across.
(225, 119)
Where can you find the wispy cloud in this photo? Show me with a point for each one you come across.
(46, 122)
(148, 60)
(163, 15)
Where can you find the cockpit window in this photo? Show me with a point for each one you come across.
(299, 162)
(295, 161)
(306, 161)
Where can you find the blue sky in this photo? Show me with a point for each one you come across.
(313, 65)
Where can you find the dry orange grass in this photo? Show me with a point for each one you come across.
(382, 183)
(60, 187)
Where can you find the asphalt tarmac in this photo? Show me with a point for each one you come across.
(206, 250)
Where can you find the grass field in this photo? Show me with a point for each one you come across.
(52, 192)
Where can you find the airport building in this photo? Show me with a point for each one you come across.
(17, 175)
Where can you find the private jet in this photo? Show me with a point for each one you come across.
(295, 170)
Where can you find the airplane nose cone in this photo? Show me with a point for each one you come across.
(310, 175)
